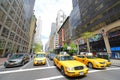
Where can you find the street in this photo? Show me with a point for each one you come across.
(50, 72)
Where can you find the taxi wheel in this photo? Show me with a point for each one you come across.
(62, 71)
(90, 65)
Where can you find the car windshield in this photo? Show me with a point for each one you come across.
(40, 55)
(16, 56)
(66, 58)
(90, 57)
(52, 55)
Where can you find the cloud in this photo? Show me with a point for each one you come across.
(48, 9)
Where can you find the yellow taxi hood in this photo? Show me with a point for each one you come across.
(98, 59)
(71, 63)
(39, 58)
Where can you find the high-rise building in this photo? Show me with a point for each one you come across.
(59, 21)
(15, 17)
(53, 28)
(102, 17)
(32, 33)
(64, 33)
(37, 38)
(51, 37)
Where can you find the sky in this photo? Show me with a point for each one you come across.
(47, 10)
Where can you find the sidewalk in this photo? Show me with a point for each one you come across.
(115, 62)
(2, 60)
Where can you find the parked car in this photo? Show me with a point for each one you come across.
(91, 61)
(39, 58)
(51, 56)
(18, 59)
(69, 66)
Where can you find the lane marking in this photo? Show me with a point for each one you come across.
(47, 62)
(26, 64)
(108, 69)
(55, 77)
(92, 71)
(22, 70)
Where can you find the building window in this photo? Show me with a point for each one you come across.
(2, 15)
(5, 32)
(15, 5)
(12, 36)
(14, 26)
(9, 45)
(2, 43)
(5, 5)
(8, 22)
(12, 13)
(16, 38)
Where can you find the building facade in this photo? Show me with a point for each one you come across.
(59, 21)
(64, 33)
(52, 37)
(102, 17)
(15, 18)
(32, 33)
(37, 38)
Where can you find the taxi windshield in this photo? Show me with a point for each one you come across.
(66, 58)
(40, 55)
(90, 57)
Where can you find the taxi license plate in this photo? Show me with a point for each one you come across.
(81, 73)
(39, 62)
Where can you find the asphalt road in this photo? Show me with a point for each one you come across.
(50, 72)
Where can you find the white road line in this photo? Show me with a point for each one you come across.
(47, 62)
(22, 70)
(55, 77)
(26, 64)
(92, 71)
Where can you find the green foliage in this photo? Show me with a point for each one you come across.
(37, 47)
(65, 47)
(51, 51)
(73, 46)
(73, 49)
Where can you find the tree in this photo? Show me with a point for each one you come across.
(65, 47)
(37, 47)
(87, 35)
(73, 49)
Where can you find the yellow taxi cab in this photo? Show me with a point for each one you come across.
(108, 63)
(91, 61)
(39, 58)
(69, 66)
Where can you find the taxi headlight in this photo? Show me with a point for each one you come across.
(70, 68)
(35, 60)
(43, 60)
(106, 60)
(96, 62)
